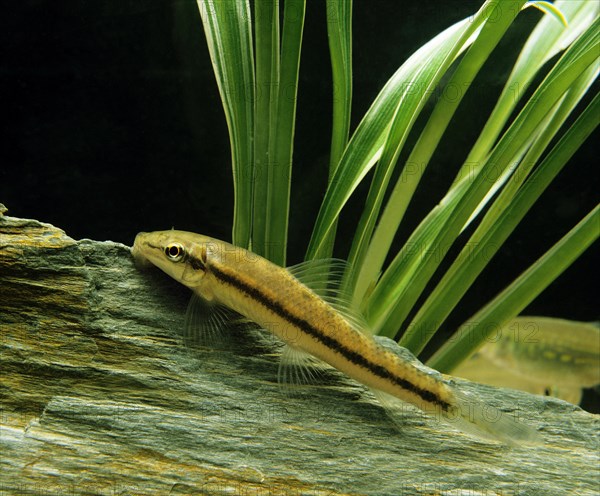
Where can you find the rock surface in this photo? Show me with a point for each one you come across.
(100, 397)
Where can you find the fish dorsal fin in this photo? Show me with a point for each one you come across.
(321, 273)
(206, 322)
(324, 277)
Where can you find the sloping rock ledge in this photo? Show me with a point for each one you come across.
(100, 397)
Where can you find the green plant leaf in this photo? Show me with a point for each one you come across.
(506, 213)
(386, 314)
(369, 252)
(406, 92)
(266, 28)
(546, 41)
(339, 33)
(277, 87)
(548, 8)
(284, 129)
(518, 295)
(228, 29)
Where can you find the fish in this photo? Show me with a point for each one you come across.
(315, 320)
(541, 355)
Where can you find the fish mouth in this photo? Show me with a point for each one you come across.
(139, 258)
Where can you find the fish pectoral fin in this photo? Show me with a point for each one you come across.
(324, 277)
(298, 368)
(206, 322)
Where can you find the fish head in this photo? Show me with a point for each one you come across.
(180, 254)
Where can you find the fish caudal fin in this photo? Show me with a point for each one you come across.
(485, 421)
(471, 416)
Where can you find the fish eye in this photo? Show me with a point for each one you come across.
(174, 252)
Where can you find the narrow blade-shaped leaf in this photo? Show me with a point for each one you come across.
(519, 294)
(369, 252)
(500, 221)
(407, 90)
(228, 29)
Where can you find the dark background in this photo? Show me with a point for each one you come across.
(112, 124)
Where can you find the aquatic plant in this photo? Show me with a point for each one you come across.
(524, 144)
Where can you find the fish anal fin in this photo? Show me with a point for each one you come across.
(398, 411)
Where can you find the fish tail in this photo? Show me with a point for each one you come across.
(474, 417)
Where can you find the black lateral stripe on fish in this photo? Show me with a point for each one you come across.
(333, 343)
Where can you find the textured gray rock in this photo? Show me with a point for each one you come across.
(99, 396)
